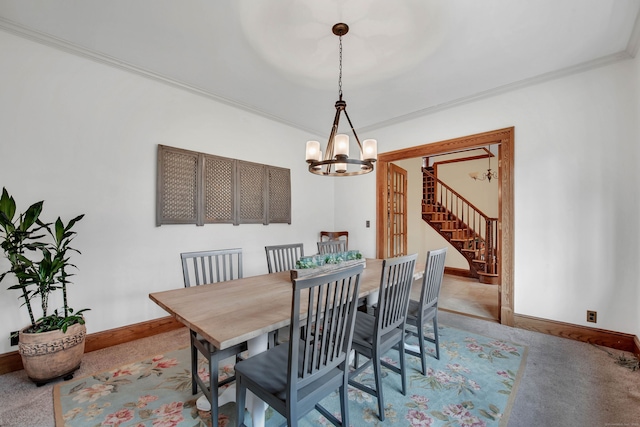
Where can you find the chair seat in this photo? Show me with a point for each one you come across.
(414, 310)
(269, 370)
(364, 330)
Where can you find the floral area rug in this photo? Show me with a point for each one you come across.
(472, 385)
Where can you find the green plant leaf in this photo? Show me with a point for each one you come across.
(31, 216)
(7, 207)
(38, 265)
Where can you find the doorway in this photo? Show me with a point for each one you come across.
(504, 137)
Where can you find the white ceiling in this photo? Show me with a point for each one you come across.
(279, 58)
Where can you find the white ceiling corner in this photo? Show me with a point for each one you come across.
(279, 58)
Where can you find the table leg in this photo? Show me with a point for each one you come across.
(372, 299)
(256, 406)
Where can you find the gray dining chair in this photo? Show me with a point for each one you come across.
(332, 247)
(283, 257)
(377, 333)
(425, 310)
(294, 377)
(199, 268)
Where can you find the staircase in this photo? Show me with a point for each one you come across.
(469, 230)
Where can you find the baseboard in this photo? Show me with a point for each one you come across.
(458, 272)
(603, 337)
(12, 361)
(128, 333)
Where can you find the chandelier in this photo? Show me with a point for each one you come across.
(336, 161)
(488, 175)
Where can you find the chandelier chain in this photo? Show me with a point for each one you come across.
(340, 71)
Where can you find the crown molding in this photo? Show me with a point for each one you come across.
(585, 66)
(634, 38)
(63, 45)
(57, 43)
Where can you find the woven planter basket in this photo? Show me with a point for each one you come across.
(50, 355)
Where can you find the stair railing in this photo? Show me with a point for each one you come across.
(483, 240)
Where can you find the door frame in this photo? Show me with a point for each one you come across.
(504, 137)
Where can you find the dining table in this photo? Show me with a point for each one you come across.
(246, 310)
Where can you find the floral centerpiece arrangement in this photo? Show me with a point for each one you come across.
(323, 263)
(316, 261)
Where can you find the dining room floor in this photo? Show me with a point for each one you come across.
(466, 296)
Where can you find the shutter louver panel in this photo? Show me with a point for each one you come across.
(251, 193)
(177, 201)
(279, 195)
(218, 190)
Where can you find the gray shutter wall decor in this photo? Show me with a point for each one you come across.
(198, 188)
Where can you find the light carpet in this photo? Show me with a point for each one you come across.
(472, 385)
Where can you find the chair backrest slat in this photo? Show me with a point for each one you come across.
(395, 291)
(283, 257)
(432, 280)
(330, 301)
(202, 267)
(332, 247)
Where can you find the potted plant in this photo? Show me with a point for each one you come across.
(38, 253)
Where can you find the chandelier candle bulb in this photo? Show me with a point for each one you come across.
(370, 149)
(342, 145)
(341, 167)
(313, 150)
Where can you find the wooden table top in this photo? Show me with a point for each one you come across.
(229, 313)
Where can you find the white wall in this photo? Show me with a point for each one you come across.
(83, 136)
(482, 194)
(576, 190)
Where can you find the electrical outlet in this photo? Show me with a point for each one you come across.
(368, 224)
(592, 316)
(13, 337)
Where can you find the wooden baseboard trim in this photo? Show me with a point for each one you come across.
(458, 272)
(129, 333)
(603, 337)
(12, 361)
(448, 310)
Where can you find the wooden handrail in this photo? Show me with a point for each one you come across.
(483, 236)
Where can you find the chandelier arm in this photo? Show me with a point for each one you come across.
(353, 130)
(334, 129)
(328, 155)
